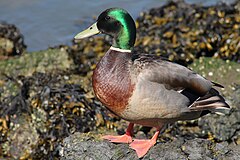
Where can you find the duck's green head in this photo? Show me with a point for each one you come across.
(115, 22)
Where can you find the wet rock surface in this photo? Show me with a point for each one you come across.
(48, 109)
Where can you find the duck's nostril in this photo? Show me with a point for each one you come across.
(90, 27)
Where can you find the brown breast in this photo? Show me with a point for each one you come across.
(112, 82)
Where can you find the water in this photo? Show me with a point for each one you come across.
(47, 23)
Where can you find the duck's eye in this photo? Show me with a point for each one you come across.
(107, 18)
(117, 23)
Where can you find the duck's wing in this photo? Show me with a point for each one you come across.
(173, 76)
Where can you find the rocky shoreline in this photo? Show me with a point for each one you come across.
(48, 109)
(177, 149)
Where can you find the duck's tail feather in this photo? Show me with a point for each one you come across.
(217, 84)
(212, 102)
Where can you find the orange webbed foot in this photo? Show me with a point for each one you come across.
(142, 146)
(126, 138)
(119, 139)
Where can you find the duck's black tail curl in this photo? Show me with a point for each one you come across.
(212, 102)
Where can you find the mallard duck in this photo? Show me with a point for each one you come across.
(146, 89)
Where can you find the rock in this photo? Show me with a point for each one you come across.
(41, 61)
(195, 149)
(222, 127)
(6, 46)
(11, 40)
(23, 138)
(205, 149)
(225, 151)
(72, 149)
(51, 60)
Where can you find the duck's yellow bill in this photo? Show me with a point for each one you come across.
(90, 31)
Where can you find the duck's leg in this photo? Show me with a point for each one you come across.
(142, 146)
(126, 138)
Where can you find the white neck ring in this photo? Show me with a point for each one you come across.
(120, 50)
